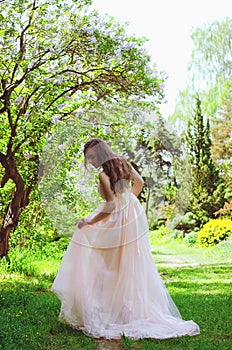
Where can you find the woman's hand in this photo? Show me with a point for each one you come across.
(109, 204)
(82, 222)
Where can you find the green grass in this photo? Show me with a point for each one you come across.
(199, 280)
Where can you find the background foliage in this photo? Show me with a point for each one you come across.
(57, 61)
(67, 74)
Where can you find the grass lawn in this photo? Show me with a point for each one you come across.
(199, 280)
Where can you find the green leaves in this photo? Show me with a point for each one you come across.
(59, 61)
(60, 57)
(209, 71)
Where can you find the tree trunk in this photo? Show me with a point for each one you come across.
(20, 199)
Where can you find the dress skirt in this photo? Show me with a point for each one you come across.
(108, 283)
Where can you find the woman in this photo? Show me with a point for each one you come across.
(107, 282)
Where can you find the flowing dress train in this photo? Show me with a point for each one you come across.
(108, 283)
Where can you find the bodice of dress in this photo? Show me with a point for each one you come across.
(126, 190)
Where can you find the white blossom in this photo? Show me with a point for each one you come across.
(48, 80)
(107, 129)
(31, 64)
(85, 11)
(18, 100)
(78, 65)
(93, 39)
(73, 173)
(142, 51)
(118, 54)
(78, 94)
(56, 119)
(74, 9)
(79, 110)
(148, 70)
(128, 46)
(88, 30)
(52, 49)
(61, 106)
(59, 79)
(26, 115)
(61, 147)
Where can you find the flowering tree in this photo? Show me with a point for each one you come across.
(58, 59)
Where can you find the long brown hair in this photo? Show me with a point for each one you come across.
(115, 166)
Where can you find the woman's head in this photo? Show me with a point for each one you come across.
(98, 153)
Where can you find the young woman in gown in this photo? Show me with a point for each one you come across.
(108, 283)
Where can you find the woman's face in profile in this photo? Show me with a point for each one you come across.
(91, 158)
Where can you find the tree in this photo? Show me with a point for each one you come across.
(211, 56)
(222, 143)
(58, 59)
(209, 71)
(208, 188)
(221, 130)
(159, 156)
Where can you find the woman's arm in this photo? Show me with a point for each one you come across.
(109, 203)
(137, 183)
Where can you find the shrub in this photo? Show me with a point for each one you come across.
(191, 238)
(226, 211)
(177, 234)
(214, 231)
(183, 223)
(157, 219)
(164, 231)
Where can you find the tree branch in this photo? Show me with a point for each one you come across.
(21, 49)
(65, 92)
(26, 103)
(5, 178)
(3, 160)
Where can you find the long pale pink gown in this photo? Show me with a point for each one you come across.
(108, 283)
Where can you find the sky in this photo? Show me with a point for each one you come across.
(168, 25)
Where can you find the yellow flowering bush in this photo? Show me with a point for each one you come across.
(214, 231)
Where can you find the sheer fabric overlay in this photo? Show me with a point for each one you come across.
(108, 283)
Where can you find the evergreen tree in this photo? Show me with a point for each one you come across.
(208, 188)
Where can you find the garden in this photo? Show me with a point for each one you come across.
(67, 75)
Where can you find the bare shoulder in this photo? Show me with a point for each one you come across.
(103, 177)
